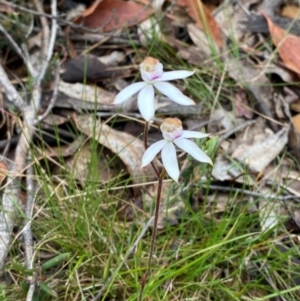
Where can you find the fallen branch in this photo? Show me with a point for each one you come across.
(27, 231)
(11, 195)
(10, 198)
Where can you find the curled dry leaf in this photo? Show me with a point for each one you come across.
(127, 147)
(288, 45)
(86, 93)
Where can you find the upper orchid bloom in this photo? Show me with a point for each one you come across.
(153, 75)
(173, 133)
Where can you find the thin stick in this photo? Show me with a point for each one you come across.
(255, 194)
(12, 94)
(53, 98)
(27, 232)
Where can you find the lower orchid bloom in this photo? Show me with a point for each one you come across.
(174, 134)
(153, 75)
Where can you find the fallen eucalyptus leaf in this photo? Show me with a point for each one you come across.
(129, 148)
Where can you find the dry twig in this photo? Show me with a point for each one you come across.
(27, 233)
(10, 198)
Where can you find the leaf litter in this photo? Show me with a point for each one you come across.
(246, 87)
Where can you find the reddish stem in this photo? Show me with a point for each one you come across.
(156, 212)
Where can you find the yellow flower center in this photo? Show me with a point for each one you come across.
(149, 64)
(171, 128)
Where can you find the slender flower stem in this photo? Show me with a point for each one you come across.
(146, 146)
(156, 212)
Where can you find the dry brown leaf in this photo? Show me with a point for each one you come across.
(6, 8)
(92, 8)
(296, 122)
(87, 93)
(241, 105)
(3, 171)
(107, 15)
(288, 45)
(262, 150)
(226, 170)
(127, 147)
(79, 165)
(220, 119)
(89, 68)
(204, 20)
(61, 151)
(291, 11)
(55, 119)
(295, 106)
(294, 135)
(201, 40)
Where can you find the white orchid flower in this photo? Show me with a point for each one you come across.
(153, 76)
(173, 133)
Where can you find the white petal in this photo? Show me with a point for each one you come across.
(192, 148)
(146, 102)
(193, 134)
(169, 159)
(152, 151)
(171, 75)
(173, 93)
(127, 92)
